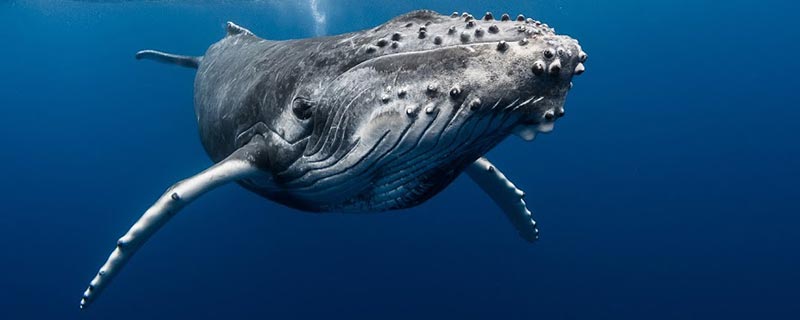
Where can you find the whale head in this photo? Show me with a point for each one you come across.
(423, 95)
(512, 72)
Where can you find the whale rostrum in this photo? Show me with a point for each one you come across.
(368, 121)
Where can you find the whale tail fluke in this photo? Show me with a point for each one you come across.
(184, 61)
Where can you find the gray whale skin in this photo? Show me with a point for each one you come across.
(368, 121)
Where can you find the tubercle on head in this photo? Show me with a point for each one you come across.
(460, 28)
(551, 60)
(519, 42)
(545, 54)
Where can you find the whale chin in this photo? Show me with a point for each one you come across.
(528, 132)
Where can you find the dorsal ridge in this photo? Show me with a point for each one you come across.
(235, 29)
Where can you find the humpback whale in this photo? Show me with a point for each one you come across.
(368, 121)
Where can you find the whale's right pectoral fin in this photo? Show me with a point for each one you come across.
(235, 167)
(506, 195)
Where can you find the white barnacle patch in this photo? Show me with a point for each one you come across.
(545, 127)
(579, 69)
(527, 133)
(475, 104)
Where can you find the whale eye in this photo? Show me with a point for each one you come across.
(301, 107)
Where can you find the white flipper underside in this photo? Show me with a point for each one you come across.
(506, 195)
(174, 199)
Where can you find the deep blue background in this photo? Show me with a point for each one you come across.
(669, 191)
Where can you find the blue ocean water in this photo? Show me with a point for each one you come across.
(667, 192)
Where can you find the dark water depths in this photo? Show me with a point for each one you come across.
(667, 192)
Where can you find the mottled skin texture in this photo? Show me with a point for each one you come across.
(366, 121)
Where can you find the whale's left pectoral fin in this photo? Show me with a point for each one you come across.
(506, 195)
(235, 167)
(169, 58)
